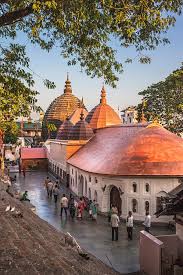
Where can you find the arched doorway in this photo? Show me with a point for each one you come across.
(80, 186)
(115, 198)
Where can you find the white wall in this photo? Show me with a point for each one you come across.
(126, 185)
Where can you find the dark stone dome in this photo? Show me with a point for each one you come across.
(64, 129)
(62, 107)
(81, 130)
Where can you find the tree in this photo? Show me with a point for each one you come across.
(164, 100)
(83, 29)
(51, 128)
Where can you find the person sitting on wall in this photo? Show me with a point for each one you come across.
(24, 196)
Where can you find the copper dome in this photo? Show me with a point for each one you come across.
(64, 129)
(102, 115)
(59, 109)
(130, 151)
(81, 130)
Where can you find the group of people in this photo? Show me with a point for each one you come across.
(75, 208)
(113, 218)
(52, 189)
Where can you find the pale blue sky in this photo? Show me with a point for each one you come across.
(135, 77)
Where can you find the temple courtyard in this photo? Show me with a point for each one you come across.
(95, 237)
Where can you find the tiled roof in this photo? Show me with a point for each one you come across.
(132, 151)
(64, 129)
(33, 153)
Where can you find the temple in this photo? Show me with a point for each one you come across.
(130, 165)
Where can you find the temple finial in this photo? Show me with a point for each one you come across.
(68, 88)
(82, 115)
(155, 123)
(103, 95)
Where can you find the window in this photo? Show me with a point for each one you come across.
(96, 180)
(72, 171)
(89, 193)
(85, 187)
(76, 177)
(89, 178)
(134, 187)
(147, 206)
(147, 187)
(95, 196)
(134, 205)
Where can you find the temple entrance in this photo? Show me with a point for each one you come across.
(115, 198)
(80, 186)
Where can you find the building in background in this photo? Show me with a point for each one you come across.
(129, 115)
(33, 159)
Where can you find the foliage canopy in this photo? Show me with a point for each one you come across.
(164, 100)
(84, 31)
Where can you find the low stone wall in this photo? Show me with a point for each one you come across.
(150, 254)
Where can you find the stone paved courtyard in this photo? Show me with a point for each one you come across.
(123, 255)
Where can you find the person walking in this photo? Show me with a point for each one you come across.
(72, 208)
(93, 208)
(81, 207)
(129, 225)
(114, 209)
(90, 209)
(46, 184)
(147, 222)
(55, 193)
(50, 189)
(64, 205)
(114, 225)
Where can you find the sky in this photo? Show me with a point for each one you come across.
(135, 78)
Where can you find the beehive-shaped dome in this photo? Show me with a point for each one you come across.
(81, 130)
(59, 109)
(102, 115)
(64, 129)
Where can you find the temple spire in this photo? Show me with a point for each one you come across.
(68, 88)
(81, 104)
(103, 96)
(82, 115)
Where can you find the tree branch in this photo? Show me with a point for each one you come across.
(11, 17)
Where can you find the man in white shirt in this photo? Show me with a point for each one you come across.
(114, 225)
(50, 189)
(129, 225)
(64, 205)
(147, 222)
